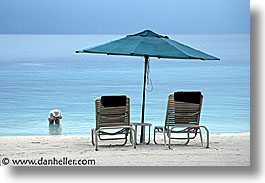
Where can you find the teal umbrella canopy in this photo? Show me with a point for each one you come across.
(148, 43)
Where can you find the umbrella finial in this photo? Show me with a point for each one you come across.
(149, 33)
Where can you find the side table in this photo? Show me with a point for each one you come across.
(143, 125)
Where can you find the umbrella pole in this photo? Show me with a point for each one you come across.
(143, 103)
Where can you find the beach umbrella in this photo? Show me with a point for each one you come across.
(148, 44)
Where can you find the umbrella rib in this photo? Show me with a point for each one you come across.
(158, 55)
(133, 52)
(190, 57)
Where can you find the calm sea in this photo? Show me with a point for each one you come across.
(42, 72)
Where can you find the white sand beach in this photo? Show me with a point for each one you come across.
(225, 150)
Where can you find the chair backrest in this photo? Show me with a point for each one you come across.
(184, 108)
(112, 111)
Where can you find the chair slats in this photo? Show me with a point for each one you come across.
(182, 112)
(112, 116)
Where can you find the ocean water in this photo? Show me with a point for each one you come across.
(42, 72)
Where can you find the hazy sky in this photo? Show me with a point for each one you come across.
(124, 16)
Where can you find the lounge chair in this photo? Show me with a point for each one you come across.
(112, 118)
(183, 112)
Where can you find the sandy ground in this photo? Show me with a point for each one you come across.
(225, 150)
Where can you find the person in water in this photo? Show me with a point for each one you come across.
(55, 116)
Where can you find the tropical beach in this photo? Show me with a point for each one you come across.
(193, 72)
(224, 150)
(27, 134)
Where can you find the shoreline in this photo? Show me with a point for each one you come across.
(65, 135)
(226, 149)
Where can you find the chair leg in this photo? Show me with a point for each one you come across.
(169, 139)
(131, 138)
(149, 138)
(126, 136)
(155, 136)
(165, 140)
(208, 136)
(134, 136)
(201, 136)
(188, 134)
(92, 137)
(96, 140)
